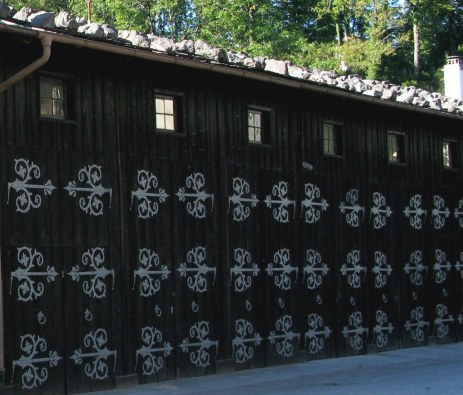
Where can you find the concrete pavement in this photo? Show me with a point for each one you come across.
(420, 370)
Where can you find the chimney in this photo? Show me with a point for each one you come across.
(453, 77)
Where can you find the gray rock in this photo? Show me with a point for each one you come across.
(378, 87)
(260, 62)
(327, 75)
(92, 29)
(351, 86)
(389, 94)
(354, 79)
(109, 31)
(424, 103)
(369, 83)
(343, 84)
(124, 34)
(411, 90)
(406, 97)
(185, 46)
(67, 21)
(360, 86)
(456, 102)
(331, 81)
(208, 52)
(137, 39)
(24, 13)
(419, 101)
(297, 72)
(236, 57)
(313, 77)
(386, 84)
(4, 10)
(250, 62)
(372, 92)
(423, 93)
(435, 105)
(161, 44)
(276, 66)
(42, 19)
(435, 95)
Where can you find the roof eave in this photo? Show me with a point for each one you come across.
(151, 55)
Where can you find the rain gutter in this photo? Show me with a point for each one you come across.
(46, 40)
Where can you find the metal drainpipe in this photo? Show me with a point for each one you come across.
(46, 41)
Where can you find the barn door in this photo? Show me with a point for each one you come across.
(351, 268)
(63, 264)
(173, 262)
(151, 271)
(197, 269)
(33, 268)
(91, 271)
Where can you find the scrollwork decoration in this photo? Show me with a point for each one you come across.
(27, 198)
(34, 350)
(281, 201)
(195, 207)
(197, 282)
(241, 200)
(30, 287)
(153, 351)
(148, 197)
(93, 259)
(97, 368)
(92, 203)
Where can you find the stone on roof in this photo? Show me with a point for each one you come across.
(66, 20)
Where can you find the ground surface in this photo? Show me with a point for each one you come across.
(422, 370)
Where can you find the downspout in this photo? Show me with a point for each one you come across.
(46, 40)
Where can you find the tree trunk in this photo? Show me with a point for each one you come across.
(453, 28)
(416, 48)
(339, 33)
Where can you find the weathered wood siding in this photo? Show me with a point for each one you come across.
(166, 296)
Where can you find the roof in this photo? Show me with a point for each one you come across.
(69, 29)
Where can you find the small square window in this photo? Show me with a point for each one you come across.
(395, 147)
(167, 113)
(258, 126)
(449, 154)
(255, 126)
(332, 139)
(53, 98)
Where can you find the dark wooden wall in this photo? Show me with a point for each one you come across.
(166, 296)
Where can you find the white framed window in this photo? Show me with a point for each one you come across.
(166, 113)
(53, 98)
(258, 125)
(395, 147)
(332, 139)
(449, 154)
(255, 124)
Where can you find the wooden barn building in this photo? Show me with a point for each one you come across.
(166, 215)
